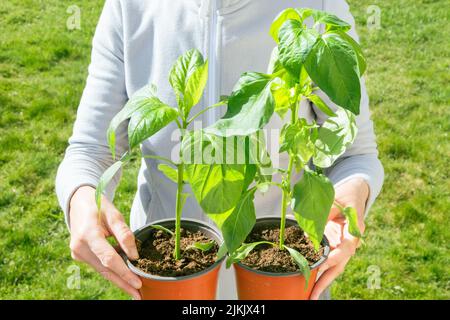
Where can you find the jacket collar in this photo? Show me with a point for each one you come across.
(223, 6)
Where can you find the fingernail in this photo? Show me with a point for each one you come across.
(135, 283)
(137, 296)
(134, 256)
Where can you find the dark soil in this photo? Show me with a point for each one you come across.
(270, 258)
(156, 254)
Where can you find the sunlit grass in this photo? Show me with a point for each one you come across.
(42, 73)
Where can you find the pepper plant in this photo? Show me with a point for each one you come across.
(147, 114)
(305, 60)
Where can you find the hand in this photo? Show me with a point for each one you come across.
(88, 240)
(353, 193)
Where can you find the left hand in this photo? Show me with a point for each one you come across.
(353, 193)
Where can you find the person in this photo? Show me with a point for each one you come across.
(135, 43)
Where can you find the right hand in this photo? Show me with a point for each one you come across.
(88, 239)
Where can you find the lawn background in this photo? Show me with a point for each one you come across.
(43, 67)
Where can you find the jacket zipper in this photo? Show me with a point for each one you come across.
(212, 57)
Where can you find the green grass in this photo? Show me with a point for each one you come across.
(43, 67)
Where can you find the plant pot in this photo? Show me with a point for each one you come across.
(260, 285)
(199, 286)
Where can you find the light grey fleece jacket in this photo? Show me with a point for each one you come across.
(136, 43)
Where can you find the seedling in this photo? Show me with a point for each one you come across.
(147, 115)
(304, 60)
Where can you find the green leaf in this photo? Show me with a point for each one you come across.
(149, 116)
(333, 65)
(202, 246)
(296, 139)
(352, 217)
(287, 14)
(313, 197)
(302, 263)
(200, 147)
(319, 103)
(127, 111)
(243, 251)
(217, 187)
(195, 87)
(105, 179)
(331, 21)
(250, 173)
(164, 229)
(240, 222)
(185, 67)
(358, 51)
(296, 42)
(335, 135)
(281, 95)
(250, 106)
(169, 172)
(274, 62)
(222, 251)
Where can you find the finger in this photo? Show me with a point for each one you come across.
(326, 279)
(345, 250)
(334, 212)
(89, 258)
(123, 234)
(333, 231)
(335, 257)
(111, 260)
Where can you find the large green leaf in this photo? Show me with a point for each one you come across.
(200, 147)
(296, 42)
(127, 111)
(149, 116)
(250, 106)
(217, 187)
(188, 78)
(335, 135)
(313, 197)
(333, 65)
(240, 222)
(358, 51)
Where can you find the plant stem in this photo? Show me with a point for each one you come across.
(159, 158)
(179, 199)
(179, 208)
(284, 201)
(286, 185)
(204, 110)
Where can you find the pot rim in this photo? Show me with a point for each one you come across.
(324, 257)
(150, 276)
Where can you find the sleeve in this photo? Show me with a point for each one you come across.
(361, 158)
(88, 155)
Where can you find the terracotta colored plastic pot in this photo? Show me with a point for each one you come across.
(259, 285)
(198, 286)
